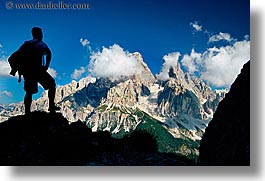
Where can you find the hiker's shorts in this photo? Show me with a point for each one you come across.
(43, 77)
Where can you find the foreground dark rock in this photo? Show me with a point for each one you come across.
(48, 139)
(227, 138)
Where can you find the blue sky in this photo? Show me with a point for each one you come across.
(204, 36)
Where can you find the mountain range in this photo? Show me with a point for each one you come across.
(176, 110)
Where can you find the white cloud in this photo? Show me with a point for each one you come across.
(52, 72)
(114, 62)
(78, 73)
(219, 66)
(84, 42)
(6, 93)
(247, 37)
(170, 60)
(219, 37)
(191, 61)
(4, 67)
(222, 65)
(195, 25)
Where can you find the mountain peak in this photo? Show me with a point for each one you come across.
(146, 73)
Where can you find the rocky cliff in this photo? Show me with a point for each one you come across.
(227, 138)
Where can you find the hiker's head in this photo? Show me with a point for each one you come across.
(37, 33)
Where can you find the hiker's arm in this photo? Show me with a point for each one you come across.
(48, 57)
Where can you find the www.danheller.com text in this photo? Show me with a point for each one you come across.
(61, 5)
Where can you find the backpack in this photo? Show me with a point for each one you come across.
(18, 59)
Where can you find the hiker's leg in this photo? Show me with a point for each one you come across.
(51, 96)
(27, 102)
(30, 87)
(48, 83)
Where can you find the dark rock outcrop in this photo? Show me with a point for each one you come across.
(47, 139)
(227, 138)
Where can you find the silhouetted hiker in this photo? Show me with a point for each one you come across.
(35, 70)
